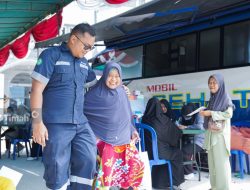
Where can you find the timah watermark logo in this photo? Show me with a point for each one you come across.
(7, 118)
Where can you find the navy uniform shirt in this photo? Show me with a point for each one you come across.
(64, 77)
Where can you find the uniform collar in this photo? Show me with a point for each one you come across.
(64, 47)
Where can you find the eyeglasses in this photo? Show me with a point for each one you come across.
(85, 47)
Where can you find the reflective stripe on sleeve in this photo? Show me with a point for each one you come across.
(39, 77)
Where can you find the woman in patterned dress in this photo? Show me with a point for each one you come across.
(108, 111)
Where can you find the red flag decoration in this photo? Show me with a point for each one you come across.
(44, 30)
(116, 1)
(21, 45)
(47, 29)
(4, 54)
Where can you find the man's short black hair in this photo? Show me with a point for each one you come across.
(82, 28)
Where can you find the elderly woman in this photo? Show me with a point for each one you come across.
(108, 111)
(217, 137)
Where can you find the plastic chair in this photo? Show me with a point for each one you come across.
(25, 139)
(156, 161)
(136, 119)
(240, 155)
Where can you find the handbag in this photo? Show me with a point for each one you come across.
(146, 183)
(216, 126)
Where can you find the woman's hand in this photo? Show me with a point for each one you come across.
(182, 126)
(206, 113)
(135, 137)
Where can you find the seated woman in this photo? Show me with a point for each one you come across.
(195, 121)
(168, 136)
(167, 110)
(14, 132)
(108, 111)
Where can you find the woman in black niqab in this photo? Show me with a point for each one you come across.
(168, 136)
(169, 112)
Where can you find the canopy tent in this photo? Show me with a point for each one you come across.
(94, 4)
(20, 18)
(157, 16)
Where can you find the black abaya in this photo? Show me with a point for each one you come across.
(168, 137)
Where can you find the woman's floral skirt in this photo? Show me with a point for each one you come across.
(120, 166)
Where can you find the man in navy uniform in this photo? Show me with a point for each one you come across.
(57, 100)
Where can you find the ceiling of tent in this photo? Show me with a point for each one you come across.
(152, 16)
(18, 16)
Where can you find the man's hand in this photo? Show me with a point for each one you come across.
(40, 133)
(126, 90)
(135, 137)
